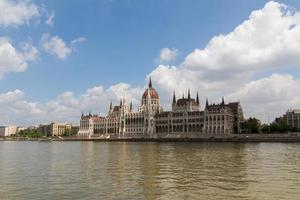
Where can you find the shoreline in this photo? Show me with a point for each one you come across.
(237, 138)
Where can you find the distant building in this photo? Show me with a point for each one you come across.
(20, 129)
(186, 117)
(58, 129)
(8, 130)
(291, 117)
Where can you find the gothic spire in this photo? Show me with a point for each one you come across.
(110, 106)
(150, 83)
(206, 102)
(189, 94)
(174, 97)
(125, 98)
(223, 102)
(197, 98)
(130, 106)
(120, 102)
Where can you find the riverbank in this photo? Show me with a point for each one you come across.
(295, 137)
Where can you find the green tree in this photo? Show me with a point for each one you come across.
(251, 125)
(67, 132)
(31, 133)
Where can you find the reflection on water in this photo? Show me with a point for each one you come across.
(95, 170)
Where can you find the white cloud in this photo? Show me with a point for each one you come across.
(263, 98)
(269, 97)
(167, 55)
(50, 19)
(15, 13)
(12, 60)
(55, 46)
(15, 109)
(66, 107)
(270, 38)
(78, 40)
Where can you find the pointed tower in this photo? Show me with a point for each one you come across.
(206, 105)
(189, 94)
(223, 102)
(150, 83)
(197, 98)
(149, 96)
(110, 108)
(130, 107)
(120, 102)
(174, 97)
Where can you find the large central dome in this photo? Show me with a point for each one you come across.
(152, 92)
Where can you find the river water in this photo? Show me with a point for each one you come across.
(120, 170)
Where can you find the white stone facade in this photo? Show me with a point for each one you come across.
(8, 130)
(186, 117)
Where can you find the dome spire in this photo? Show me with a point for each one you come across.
(150, 83)
(189, 94)
(197, 98)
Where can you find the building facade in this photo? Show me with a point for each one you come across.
(291, 118)
(58, 129)
(8, 130)
(186, 117)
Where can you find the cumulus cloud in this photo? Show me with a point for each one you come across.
(15, 109)
(13, 60)
(167, 55)
(66, 107)
(15, 13)
(270, 38)
(55, 46)
(269, 97)
(265, 98)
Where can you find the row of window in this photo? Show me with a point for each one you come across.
(215, 118)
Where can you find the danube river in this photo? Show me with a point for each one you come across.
(120, 170)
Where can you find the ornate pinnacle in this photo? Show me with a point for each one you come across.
(174, 97)
(150, 83)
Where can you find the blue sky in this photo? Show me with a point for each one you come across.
(123, 39)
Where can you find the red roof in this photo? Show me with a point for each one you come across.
(153, 93)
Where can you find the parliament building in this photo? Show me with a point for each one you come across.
(185, 119)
